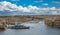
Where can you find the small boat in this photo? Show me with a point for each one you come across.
(19, 27)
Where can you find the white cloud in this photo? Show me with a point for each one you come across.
(53, 8)
(46, 4)
(14, 9)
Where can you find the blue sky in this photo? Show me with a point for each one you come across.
(38, 3)
(28, 7)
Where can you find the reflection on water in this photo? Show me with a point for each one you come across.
(35, 29)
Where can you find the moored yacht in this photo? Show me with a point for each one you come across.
(19, 26)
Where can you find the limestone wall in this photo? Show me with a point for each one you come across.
(53, 21)
(49, 20)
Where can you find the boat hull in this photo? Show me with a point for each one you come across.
(21, 28)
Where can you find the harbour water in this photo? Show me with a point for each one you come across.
(36, 28)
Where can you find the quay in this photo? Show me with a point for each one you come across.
(53, 20)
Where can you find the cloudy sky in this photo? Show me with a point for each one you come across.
(29, 7)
